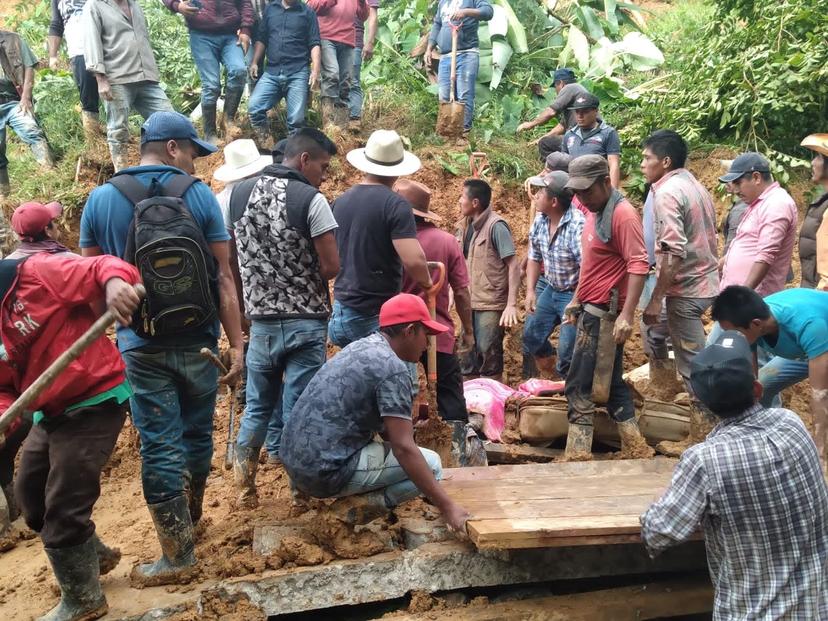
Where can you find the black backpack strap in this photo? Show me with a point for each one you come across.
(130, 187)
(239, 198)
(8, 274)
(178, 186)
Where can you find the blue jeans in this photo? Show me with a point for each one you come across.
(468, 63)
(777, 375)
(375, 470)
(337, 65)
(348, 325)
(145, 97)
(355, 102)
(271, 89)
(172, 409)
(549, 313)
(210, 51)
(24, 126)
(283, 356)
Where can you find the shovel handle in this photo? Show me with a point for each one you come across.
(436, 286)
(206, 353)
(453, 75)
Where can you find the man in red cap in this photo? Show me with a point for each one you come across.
(35, 224)
(328, 445)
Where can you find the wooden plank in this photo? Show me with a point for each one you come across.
(595, 525)
(558, 507)
(519, 453)
(535, 541)
(606, 468)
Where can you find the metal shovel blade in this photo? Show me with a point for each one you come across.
(450, 119)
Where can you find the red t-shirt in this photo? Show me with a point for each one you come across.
(444, 247)
(605, 266)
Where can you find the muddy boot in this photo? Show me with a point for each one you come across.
(664, 380)
(546, 366)
(245, 465)
(92, 129)
(195, 497)
(273, 460)
(578, 443)
(175, 534)
(467, 449)
(76, 571)
(108, 558)
(231, 106)
(120, 160)
(360, 508)
(633, 443)
(208, 119)
(5, 522)
(701, 423)
(5, 184)
(14, 510)
(43, 154)
(263, 138)
(328, 111)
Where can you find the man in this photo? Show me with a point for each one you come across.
(290, 32)
(219, 36)
(686, 248)
(613, 258)
(495, 277)
(364, 390)
(755, 488)
(792, 326)
(438, 245)
(174, 386)
(813, 236)
(592, 136)
(336, 27)
(567, 89)
(242, 160)
(376, 239)
(67, 23)
(47, 306)
(117, 50)
(284, 237)
(555, 250)
(365, 35)
(17, 65)
(465, 17)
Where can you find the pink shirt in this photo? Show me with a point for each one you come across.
(766, 234)
(336, 18)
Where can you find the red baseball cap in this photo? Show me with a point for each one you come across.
(31, 219)
(408, 308)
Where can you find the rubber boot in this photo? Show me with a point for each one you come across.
(195, 497)
(92, 129)
(120, 160)
(328, 111)
(108, 558)
(263, 138)
(633, 443)
(467, 449)
(14, 510)
(175, 534)
(76, 571)
(5, 522)
(701, 424)
(5, 184)
(43, 154)
(360, 508)
(664, 379)
(579, 443)
(208, 118)
(245, 465)
(232, 100)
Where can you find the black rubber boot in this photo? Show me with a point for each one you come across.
(231, 105)
(5, 185)
(14, 510)
(76, 570)
(108, 558)
(208, 119)
(195, 497)
(245, 465)
(175, 534)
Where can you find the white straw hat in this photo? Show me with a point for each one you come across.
(241, 159)
(384, 155)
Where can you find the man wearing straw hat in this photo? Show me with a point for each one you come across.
(242, 160)
(376, 238)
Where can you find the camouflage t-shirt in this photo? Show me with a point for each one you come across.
(340, 411)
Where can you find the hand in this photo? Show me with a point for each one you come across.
(53, 62)
(367, 52)
(466, 341)
(531, 299)
(572, 310)
(533, 143)
(455, 517)
(652, 314)
(121, 299)
(509, 317)
(253, 70)
(187, 9)
(25, 106)
(523, 127)
(427, 55)
(622, 329)
(105, 89)
(235, 366)
(244, 41)
(459, 14)
(313, 80)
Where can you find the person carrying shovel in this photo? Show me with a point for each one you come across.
(47, 304)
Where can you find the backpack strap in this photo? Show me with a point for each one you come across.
(178, 186)
(239, 198)
(8, 274)
(130, 187)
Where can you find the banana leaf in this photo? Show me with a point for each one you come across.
(484, 72)
(516, 34)
(501, 53)
(499, 24)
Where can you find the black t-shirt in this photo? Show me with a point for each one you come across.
(370, 217)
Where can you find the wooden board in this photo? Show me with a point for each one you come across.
(519, 453)
(558, 504)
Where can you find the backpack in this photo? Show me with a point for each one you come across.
(173, 257)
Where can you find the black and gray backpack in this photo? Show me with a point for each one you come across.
(173, 257)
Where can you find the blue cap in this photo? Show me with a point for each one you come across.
(721, 374)
(563, 74)
(746, 164)
(162, 126)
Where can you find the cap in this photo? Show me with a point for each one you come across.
(408, 308)
(721, 374)
(746, 163)
(587, 100)
(31, 219)
(558, 161)
(278, 152)
(419, 197)
(584, 170)
(564, 73)
(556, 180)
(816, 142)
(173, 126)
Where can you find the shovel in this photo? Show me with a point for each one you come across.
(431, 302)
(230, 448)
(451, 114)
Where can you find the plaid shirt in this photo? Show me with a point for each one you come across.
(561, 255)
(756, 487)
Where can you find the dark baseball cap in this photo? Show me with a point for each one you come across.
(745, 164)
(564, 73)
(556, 180)
(162, 126)
(558, 161)
(278, 152)
(721, 374)
(587, 100)
(586, 170)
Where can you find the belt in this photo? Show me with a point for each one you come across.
(597, 310)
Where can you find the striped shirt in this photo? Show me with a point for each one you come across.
(756, 487)
(561, 255)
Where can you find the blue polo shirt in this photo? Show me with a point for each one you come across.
(802, 316)
(289, 35)
(106, 220)
(602, 140)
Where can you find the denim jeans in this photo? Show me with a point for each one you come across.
(778, 374)
(145, 97)
(24, 126)
(468, 63)
(87, 85)
(271, 89)
(486, 358)
(210, 51)
(172, 409)
(355, 98)
(377, 471)
(549, 313)
(348, 325)
(283, 356)
(337, 65)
